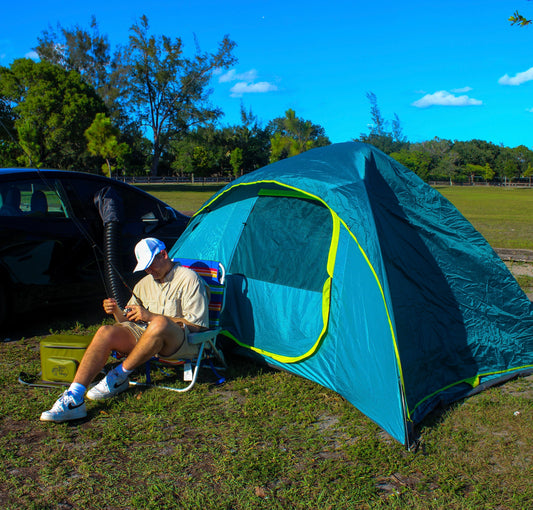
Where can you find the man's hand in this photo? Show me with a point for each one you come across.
(137, 313)
(193, 328)
(111, 307)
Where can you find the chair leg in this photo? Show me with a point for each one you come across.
(147, 367)
(218, 353)
(179, 390)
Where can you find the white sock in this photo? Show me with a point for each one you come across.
(77, 390)
(119, 373)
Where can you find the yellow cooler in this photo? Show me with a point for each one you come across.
(61, 355)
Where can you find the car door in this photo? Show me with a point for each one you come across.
(142, 215)
(41, 247)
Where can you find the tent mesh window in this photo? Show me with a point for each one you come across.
(265, 240)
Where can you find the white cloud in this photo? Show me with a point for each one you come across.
(232, 75)
(530, 110)
(33, 55)
(246, 83)
(244, 87)
(445, 98)
(518, 79)
(461, 90)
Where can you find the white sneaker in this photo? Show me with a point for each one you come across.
(104, 389)
(65, 409)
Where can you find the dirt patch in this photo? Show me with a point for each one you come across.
(512, 255)
(520, 263)
(520, 269)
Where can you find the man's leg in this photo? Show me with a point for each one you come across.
(106, 340)
(163, 337)
(70, 405)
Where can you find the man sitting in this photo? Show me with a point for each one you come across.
(165, 304)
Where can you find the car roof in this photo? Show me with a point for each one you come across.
(10, 173)
(16, 171)
(73, 173)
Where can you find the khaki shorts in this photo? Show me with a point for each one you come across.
(186, 350)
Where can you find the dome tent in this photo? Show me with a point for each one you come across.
(347, 269)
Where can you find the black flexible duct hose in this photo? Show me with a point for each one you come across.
(113, 263)
(109, 205)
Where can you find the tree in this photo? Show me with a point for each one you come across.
(52, 109)
(88, 53)
(447, 165)
(444, 160)
(168, 91)
(203, 161)
(417, 161)
(102, 138)
(518, 19)
(488, 172)
(250, 137)
(523, 157)
(509, 163)
(477, 152)
(236, 161)
(529, 172)
(9, 149)
(293, 135)
(379, 124)
(510, 170)
(194, 157)
(484, 171)
(379, 135)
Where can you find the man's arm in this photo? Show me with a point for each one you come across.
(193, 328)
(111, 308)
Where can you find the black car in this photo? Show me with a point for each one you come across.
(68, 237)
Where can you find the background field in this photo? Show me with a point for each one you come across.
(265, 439)
(186, 198)
(503, 215)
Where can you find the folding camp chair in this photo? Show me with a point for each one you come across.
(213, 274)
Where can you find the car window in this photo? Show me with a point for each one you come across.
(141, 207)
(81, 194)
(31, 197)
(137, 206)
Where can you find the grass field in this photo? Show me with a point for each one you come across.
(186, 198)
(265, 439)
(503, 215)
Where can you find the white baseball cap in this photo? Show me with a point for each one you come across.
(145, 252)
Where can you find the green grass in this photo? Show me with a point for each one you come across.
(265, 439)
(186, 198)
(525, 282)
(504, 216)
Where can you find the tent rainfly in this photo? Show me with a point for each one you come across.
(347, 269)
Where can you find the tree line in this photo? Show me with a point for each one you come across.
(449, 160)
(144, 108)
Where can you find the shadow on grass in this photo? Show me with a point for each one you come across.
(240, 366)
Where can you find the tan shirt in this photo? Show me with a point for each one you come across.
(181, 293)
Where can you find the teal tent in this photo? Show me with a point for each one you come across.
(347, 269)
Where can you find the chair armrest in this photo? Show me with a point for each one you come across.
(203, 336)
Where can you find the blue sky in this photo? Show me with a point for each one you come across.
(452, 69)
